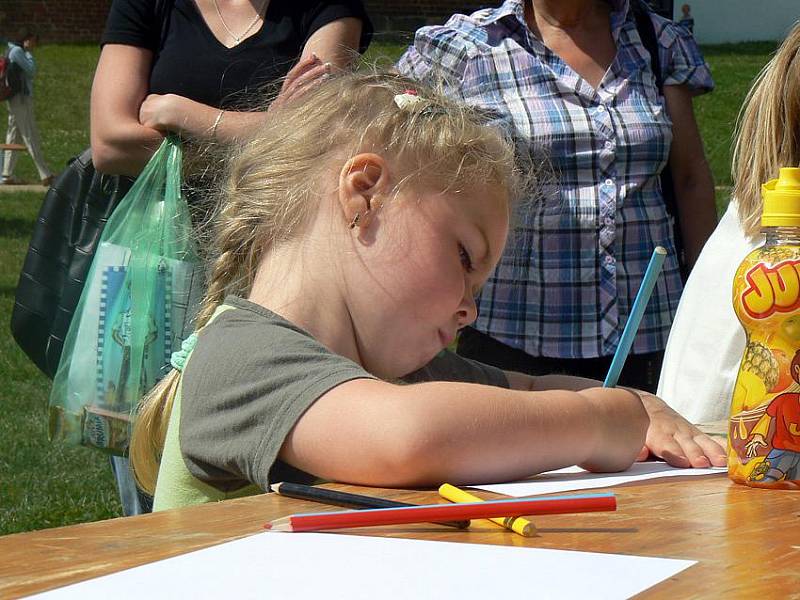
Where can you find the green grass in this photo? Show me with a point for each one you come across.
(47, 485)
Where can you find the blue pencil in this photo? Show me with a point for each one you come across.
(632, 326)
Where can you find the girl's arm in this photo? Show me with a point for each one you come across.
(669, 436)
(375, 433)
(691, 175)
(128, 124)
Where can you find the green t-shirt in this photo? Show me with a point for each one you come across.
(250, 377)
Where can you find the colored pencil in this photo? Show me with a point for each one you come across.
(550, 505)
(326, 496)
(519, 525)
(639, 306)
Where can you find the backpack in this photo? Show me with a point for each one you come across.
(10, 78)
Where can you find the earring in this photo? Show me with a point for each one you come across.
(357, 219)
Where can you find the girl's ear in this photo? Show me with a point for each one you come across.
(361, 180)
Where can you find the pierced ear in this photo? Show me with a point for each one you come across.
(361, 180)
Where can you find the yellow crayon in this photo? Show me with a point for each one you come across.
(518, 525)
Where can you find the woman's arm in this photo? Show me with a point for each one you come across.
(333, 46)
(121, 145)
(669, 436)
(691, 175)
(376, 433)
(128, 124)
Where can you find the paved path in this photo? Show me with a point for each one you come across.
(25, 187)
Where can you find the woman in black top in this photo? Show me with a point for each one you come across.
(199, 67)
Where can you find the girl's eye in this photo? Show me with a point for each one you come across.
(466, 261)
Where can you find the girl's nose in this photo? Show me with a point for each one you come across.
(467, 311)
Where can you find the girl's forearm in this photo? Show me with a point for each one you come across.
(384, 435)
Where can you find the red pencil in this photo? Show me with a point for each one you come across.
(550, 505)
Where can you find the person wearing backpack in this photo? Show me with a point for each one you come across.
(21, 69)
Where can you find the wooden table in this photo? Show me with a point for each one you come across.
(747, 540)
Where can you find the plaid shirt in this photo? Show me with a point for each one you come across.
(566, 283)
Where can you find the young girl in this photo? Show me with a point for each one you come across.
(707, 342)
(356, 228)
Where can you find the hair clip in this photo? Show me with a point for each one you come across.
(408, 98)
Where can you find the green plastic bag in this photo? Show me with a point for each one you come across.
(132, 312)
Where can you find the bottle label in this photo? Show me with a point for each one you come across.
(772, 289)
(764, 428)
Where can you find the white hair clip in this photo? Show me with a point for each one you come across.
(407, 99)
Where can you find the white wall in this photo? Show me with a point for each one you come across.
(721, 21)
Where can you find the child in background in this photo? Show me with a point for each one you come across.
(355, 229)
(706, 342)
(687, 20)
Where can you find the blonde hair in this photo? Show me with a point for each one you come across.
(267, 198)
(768, 130)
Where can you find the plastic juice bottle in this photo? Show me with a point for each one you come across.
(764, 427)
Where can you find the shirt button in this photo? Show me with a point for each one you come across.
(601, 108)
(609, 260)
(609, 144)
(609, 182)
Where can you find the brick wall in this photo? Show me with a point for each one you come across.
(54, 20)
(408, 15)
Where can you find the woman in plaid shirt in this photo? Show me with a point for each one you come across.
(576, 81)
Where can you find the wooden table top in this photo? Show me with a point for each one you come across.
(747, 540)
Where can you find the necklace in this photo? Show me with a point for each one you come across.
(238, 38)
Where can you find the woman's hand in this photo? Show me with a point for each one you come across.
(310, 71)
(676, 441)
(168, 112)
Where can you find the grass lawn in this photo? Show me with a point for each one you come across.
(47, 485)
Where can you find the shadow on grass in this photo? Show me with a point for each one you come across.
(7, 291)
(739, 49)
(16, 227)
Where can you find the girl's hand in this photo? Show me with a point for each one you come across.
(167, 112)
(309, 71)
(675, 440)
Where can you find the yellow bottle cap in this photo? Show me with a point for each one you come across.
(782, 199)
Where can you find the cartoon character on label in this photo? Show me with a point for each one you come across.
(783, 461)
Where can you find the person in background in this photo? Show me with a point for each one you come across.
(707, 341)
(204, 69)
(686, 20)
(577, 82)
(21, 117)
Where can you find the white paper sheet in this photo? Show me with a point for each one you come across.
(575, 478)
(286, 566)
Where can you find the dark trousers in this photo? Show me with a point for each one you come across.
(641, 371)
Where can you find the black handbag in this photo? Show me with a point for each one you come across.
(74, 211)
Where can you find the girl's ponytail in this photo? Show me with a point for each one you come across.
(152, 421)
(150, 431)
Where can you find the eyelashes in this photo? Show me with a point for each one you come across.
(466, 260)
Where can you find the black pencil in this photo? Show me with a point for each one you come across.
(326, 496)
